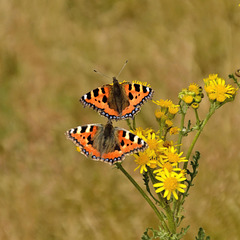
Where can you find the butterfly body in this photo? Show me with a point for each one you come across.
(105, 143)
(118, 100)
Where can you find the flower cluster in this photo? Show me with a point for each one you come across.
(150, 157)
(217, 90)
(192, 95)
(163, 160)
(165, 115)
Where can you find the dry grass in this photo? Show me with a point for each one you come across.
(47, 52)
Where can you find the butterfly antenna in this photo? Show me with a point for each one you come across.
(100, 73)
(124, 65)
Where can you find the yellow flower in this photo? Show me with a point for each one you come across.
(166, 165)
(188, 99)
(195, 105)
(169, 123)
(140, 132)
(163, 103)
(198, 98)
(194, 88)
(211, 77)
(217, 89)
(154, 142)
(144, 159)
(170, 183)
(174, 130)
(158, 113)
(173, 157)
(173, 109)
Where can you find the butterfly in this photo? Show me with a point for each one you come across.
(118, 100)
(105, 142)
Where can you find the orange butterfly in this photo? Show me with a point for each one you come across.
(118, 100)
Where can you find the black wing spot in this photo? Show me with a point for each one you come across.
(90, 140)
(131, 136)
(83, 130)
(103, 90)
(130, 87)
(144, 89)
(124, 134)
(89, 95)
(139, 141)
(137, 87)
(96, 92)
(122, 143)
(75, 130)
(130, 96)
(91, 128)
(104, 99)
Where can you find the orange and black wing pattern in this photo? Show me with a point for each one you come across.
(126, 143)
(137, 94)
(99, 99)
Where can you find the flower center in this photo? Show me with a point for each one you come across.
(168, 166)
(142, 159)
(173, 158)
(220, 89)
(152, 144)
(171, 184)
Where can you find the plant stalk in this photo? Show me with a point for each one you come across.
(152, 205)
(210, 113)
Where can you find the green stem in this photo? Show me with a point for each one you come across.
(181, 135)
(210, 113)
(152, 205)
(134, 123)
(197, 117)
(165, 206)
(153, 180)
(129, 124)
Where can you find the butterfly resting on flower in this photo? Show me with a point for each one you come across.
(105, 143)
(118, 100)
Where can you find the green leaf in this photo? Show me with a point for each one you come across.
(201, 235)
(152, 234)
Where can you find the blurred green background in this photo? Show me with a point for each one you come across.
(48, 50)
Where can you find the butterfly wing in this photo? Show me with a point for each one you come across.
(137, 94)
(125, 142)
(98, 100)
(83, 137)
(128, 143)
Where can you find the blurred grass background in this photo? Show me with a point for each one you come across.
(48, 50)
